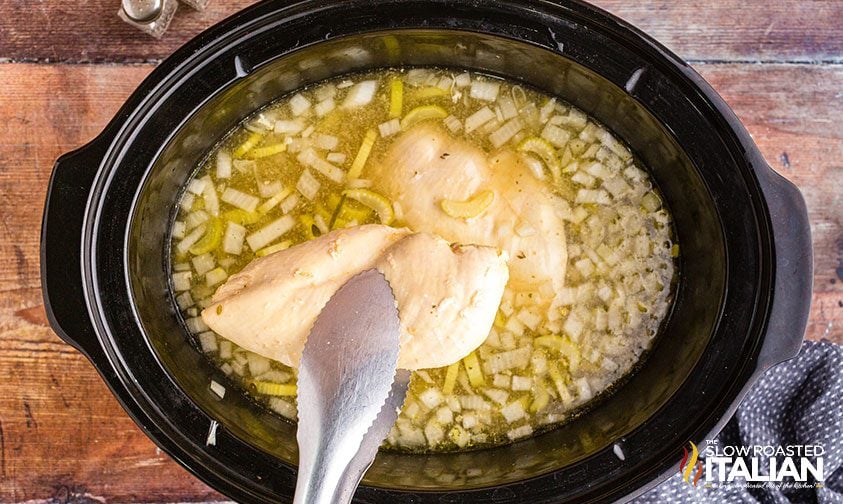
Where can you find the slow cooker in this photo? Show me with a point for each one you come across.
(741, 304)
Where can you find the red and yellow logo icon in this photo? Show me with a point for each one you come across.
(689, 463)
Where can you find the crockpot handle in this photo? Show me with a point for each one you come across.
(793, 281)
(61, 246)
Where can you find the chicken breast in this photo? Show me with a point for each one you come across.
(426, 165)
(447, 296)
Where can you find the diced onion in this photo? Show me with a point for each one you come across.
(431, 397)
(299, 104)
(278, 194)
(215, 276)
(240, 199)
(360, 94)
(479, 118)
(462, 80)
(453, 124)
(204, 263)
(196, 325)
(178, 229)
(270, 232)
(223, 165)
(336, 157)
(326, 142)
(181, 280)
(232, 242)
(289, 203)
(557, 136)
(505, 133)
(289, 126)
(325, 107)
(191, 239)
(514, 411)
(485, 90)
(196, 186)
(389, 128)
(307, 185)
(520, 432)
(310, 158)
(219, 390)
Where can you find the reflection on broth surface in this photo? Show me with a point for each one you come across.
(589, 242)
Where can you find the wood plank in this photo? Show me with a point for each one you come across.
(728, 30)
(63, 436)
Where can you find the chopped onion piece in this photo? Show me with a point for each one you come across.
(269, 233)
(389, 128)
(522, 383)
(283, 408)
(184, 300)
(557, 136)
(478, 119)
(215, 276)
(289, 203)
(212, 202)
(191, 239)
(546, 110)
(208, 342)
(520, 432)
(240, 199)
(485, 90)
(217, 389)
(501, 381)
(289, 126)
(325, 91)
(310, 158)
(223, 165)
(360, 94)
(452, 123)
(232, 242)
(181, 280)
(327, 142)
(268, 190)
(307, 185)
(204, 263)
(514, 411)
(462, 80)
(325, 107)
(583, 179)
(196, 325)
(506, 132)
(299, 104)
(187, 201)
(178, 229)
(431, 398)
(594, 196)
(195, 219)
(278, 194)
(503, 361)
(336, 157)
(196, 186)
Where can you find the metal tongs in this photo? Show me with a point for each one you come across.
(349, 390)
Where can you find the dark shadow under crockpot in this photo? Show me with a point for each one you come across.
(713, 180)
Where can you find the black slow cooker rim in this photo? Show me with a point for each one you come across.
(134, 111)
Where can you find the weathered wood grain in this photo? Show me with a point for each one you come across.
(727, 30)
(63, 436)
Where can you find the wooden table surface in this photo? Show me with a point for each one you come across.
(67, 65)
